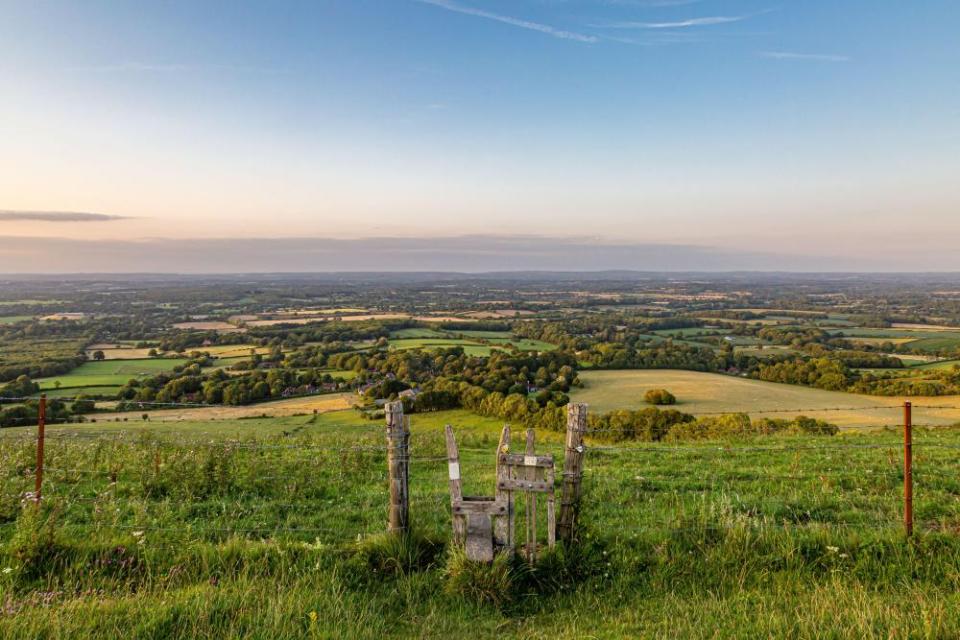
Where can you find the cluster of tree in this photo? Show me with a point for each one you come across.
(26, 413)
(648, 425)
(182, 341)
(739, 425)
(36, 351)
(516, 408)
(219, 387)
(834, 375)
(22, 387)
(659, 397)
(662, 355)
(331, 331)
(867, 360)
(823, 373)
(925, 383)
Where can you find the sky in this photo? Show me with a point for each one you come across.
(205, 136)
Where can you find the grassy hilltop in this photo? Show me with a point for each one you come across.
(271, 528)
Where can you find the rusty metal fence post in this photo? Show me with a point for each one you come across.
(572, 471)
(398, 467)
(908, 468)
(41, 435)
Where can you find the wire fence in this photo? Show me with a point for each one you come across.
(208, 487)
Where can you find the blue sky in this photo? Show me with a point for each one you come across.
(826, 130)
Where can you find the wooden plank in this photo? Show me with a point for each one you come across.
(479, 532)
(488, 506)
(551, 509)
(456, 486)
(501, 526)
(530, 486)
(521, 460)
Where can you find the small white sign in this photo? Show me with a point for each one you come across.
(454, 470)
(529, 461)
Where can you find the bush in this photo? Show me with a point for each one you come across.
(659, 397)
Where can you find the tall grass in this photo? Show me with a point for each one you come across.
(240, 531)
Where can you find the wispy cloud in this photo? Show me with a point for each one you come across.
(792, 55)
(175, 67)
(515, 22)
(57, 216)
(678, 24)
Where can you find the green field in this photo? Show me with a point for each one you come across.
(418, 333)
(470, 348)
(250, 529)
(923, 340)
(109, 373)
(943, 364)
(14, 319)
(431, 338)
(700, 393)
(688, 332)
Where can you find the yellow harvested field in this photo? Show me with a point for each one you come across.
(499, 313)
(214, 325)
(922, 327)
(277, 408)
(700, 393)
(876, 341)
(126, 353)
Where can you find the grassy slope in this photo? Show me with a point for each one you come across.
(698, 541)
(707, 392)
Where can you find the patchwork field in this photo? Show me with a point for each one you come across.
(699, 393)
(109, 373)
(418, 338)
(222, 327)
(921, 337)
(277, 408)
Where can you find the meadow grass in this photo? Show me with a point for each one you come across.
(700, 393)
(273, 528)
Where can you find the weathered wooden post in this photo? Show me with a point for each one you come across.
(908, 468)
(398, 467)
(572, 470)
(503, 527)
(41, 435)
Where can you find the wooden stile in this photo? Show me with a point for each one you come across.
(485, 525)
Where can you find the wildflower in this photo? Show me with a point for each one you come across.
(313, 617)
(7, 570)
(833, 549)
